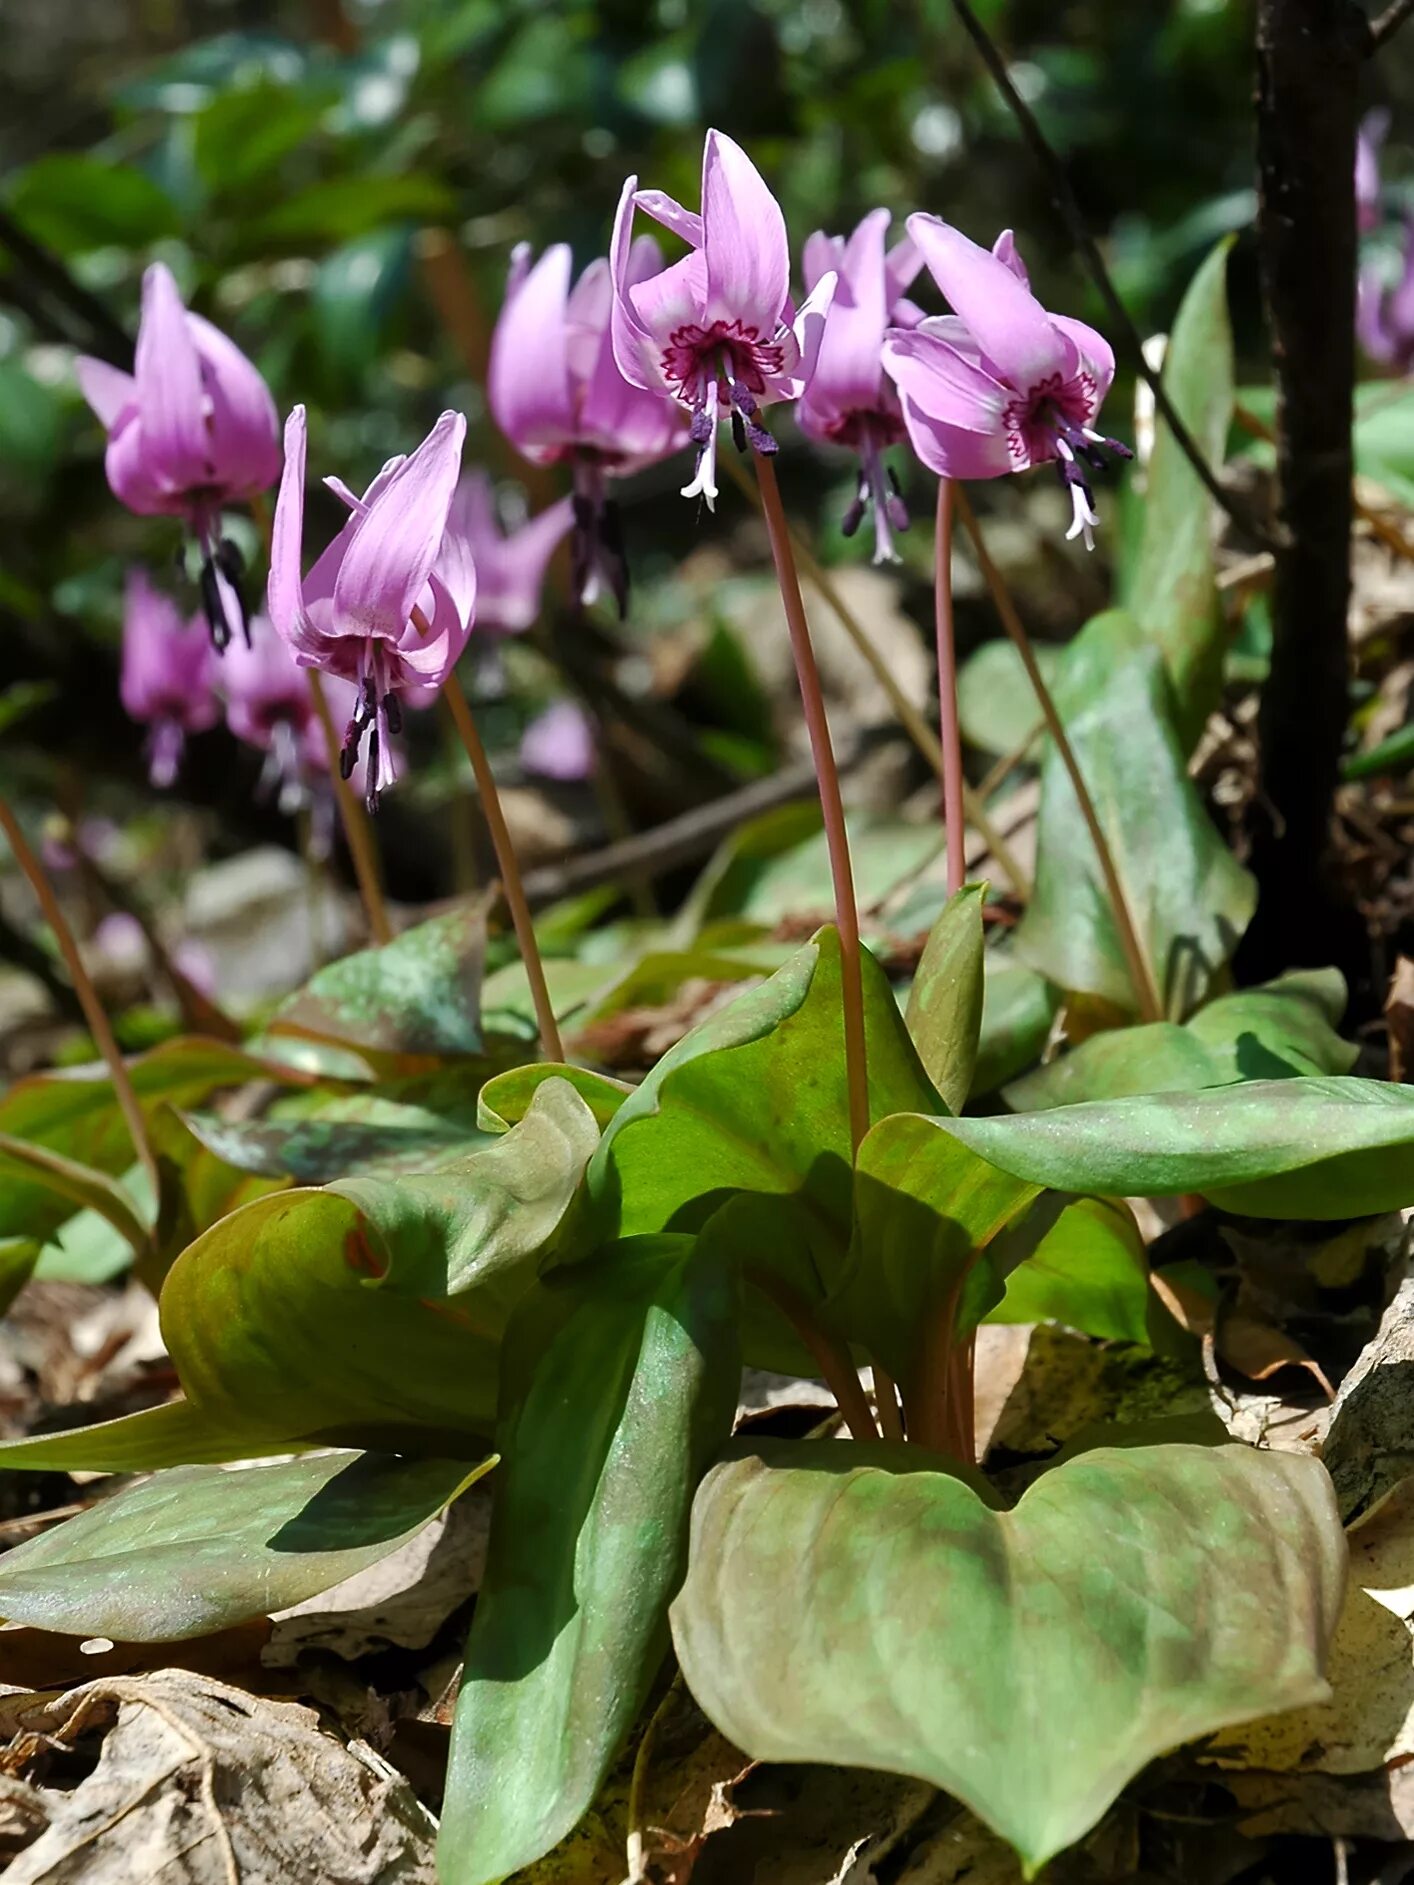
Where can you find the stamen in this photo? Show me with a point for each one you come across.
(213, 607)
(393, 712)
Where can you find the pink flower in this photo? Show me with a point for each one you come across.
(510, 564)
(389, 603)
(167, 675)
(557, 393)
(718, 331)
(269, 706)
(1374, 128)
(190, 430)
(559, 743)
(849, 400)
(1000, 385)
(1384, 312)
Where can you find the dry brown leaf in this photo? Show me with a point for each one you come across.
(1258, 1349)
(201, 1784)
(636, 1037)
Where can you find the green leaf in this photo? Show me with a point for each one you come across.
(76, 1114)
(917, 1269)
(996, 702)
(1087, 1271)
(417, 996)
(78, 1185)
(1395, 754)
(1308, 1147)
(944, 1013)
(1275, 1032)
(174, 1434)
(1173, 594)
(505, 1099)
(18, 1256)
(621, 1384)
(755, 1100)
(364, 1132)
(1018, 1008)
(371, 1313)
(1188, 896)
(864, 1607)
(197, 1549)
(342, 208)
(23, 698)
(74, 202)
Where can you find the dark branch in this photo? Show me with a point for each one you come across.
(1385, 25)
(51, 282)
(1080, 235)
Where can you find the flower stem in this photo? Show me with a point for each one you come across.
(950, 736)
(356, 827)
(831, 1356)
(812, 701)
(98, 1022)
(511, 884)
(1141, 975)
(910, 719)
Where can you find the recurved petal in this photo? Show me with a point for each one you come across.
(743, 239)
(426, 660)
(934, 377)
(670, 213)
(284, 589)
(169, 390)
(243, 429)
(1005, 250)
(395, 543)
(527, 380)
(847, 370)
(1009, 323)
(952, 452)
(632, 344)
(109, 392)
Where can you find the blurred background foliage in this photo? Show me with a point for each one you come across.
(339, 184)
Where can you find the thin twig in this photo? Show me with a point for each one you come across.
(909, 717)
(950, 736)
(355, 822)
(1074, 219)
(817, 725)
(1385, 25)
(1141, 974)
(98, 1022)
(511, 885)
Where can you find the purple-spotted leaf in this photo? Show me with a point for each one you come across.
(197, 1549)
(865, 1607)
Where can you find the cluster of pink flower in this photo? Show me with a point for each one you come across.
(633, 362)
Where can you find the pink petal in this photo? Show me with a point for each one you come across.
(132, 475)
(427, 660)
(1010, 325)
(743, 240)
(823, 255)
(284, 590)
(848, 371)
(671, 300)
(634, 350)
(1096, 354)
(670, 213)
(559, 743)
(901, 268)
(587, 320)
(800, 342)
(108, 391)
(953, 453)
(395, 544)
(934, 377)
(169, 390)
(243, 428)
(1005, 250)
(527, 380)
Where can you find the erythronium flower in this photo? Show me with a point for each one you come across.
(269, 706)
(1384, 314)
(389, 604)
(1000, 385)
(849, 400)
(558, 395)
(190, 430)
(717, 331)
(1374, 128)
(559, 743)
(510, 564)
(167, 676)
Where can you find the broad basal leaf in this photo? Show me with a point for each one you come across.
(1018, 1009)
(198, 1548)
(755, 1100)
(858, 1605)
(1086, 1269)
(417, 996)
(1319, 1148)
(1271, 1033)
(504, 1099)
(1189, 898)
(1172, 593)
(944, 1012)
(620, 1386)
